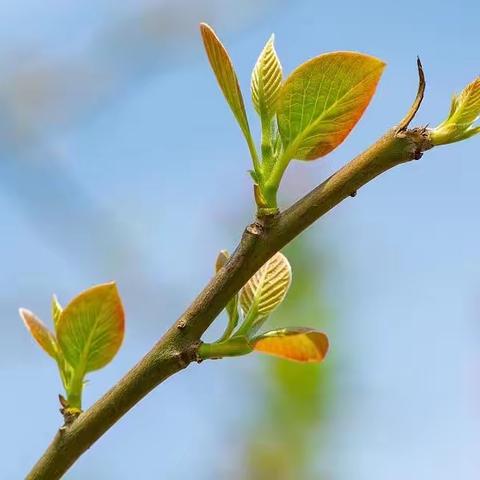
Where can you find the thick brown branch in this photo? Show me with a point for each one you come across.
(262, 239)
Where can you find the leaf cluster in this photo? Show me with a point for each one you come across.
(87, 334)
(253, 305)
(303, 117)
(464, 112)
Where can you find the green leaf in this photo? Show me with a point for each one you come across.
(266, 81)
(323, 99)
(56, 310)
(91, 328)
(222, 66)
(39, 332)
(466, 106)
(464, 112)
(232, 347)
(299, 344)
(267, 288)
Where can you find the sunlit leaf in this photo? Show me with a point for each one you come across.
(299, 344)
(227, 79)
(466, 107)
(91, 327)
(56, 310)
(323, 99)
(268, 287)
(464, 112)
(266, 81)
(39, 332)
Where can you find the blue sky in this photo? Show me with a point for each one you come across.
(139, 175)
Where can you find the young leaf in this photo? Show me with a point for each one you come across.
(91, 327)
(266, 81)
(464, 112)
(323, 99)
(56, 310)
(227, 79)
(39, 332)
(268, 287)
(466, 106)
(298, 344)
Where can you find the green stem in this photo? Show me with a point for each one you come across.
(234, 347)
(63, 374)
(248, 322)
(253, 153)
(272, 183)
(232, 311)
(75, 389)
(267, 153)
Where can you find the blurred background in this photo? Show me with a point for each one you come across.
(119, 160)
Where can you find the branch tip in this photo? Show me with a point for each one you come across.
(418, 99)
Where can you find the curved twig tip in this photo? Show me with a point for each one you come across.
(418, 99)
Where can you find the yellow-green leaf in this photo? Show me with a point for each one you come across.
(56, 310)
(91, 328)
(268, 287)
(222, 66)
(39, 332)
(266, 81)
(298, 344)
(466, 106)
(464, 112)
(323, 99)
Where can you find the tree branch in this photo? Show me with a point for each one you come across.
(261, 240)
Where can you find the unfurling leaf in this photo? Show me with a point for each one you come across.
(298, 344)
(56, 310)
(323, 99)
(268, 287)
(91, 327)
(266, 81)
(464, 112)
(227, 79)
(39, 332)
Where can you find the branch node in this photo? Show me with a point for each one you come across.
(181, 324)
(187, 355)
(70, 414)
(255, 228)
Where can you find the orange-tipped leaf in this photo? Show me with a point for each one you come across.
(42, 335)
(222, 67)
(298, 344)
(323, 99)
